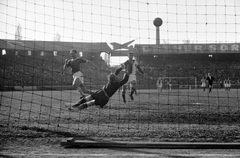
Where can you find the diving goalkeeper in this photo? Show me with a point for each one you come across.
(102, 96)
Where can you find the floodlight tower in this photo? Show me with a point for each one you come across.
(157, 22)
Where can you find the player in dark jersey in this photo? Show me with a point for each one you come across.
(210, 80)
(101, 97)
(74, 64)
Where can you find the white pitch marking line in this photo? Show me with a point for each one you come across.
(82, 155)
(199, 103)
(139, 155)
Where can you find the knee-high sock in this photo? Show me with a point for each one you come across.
(87, 104)
(133, 89)
(123, 96)
(79, 103)
(82, 101)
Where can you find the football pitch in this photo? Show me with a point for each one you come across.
(176, 115)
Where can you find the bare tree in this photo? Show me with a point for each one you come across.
(57, 37)
(18, 33)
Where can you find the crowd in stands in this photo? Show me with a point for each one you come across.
(39, 72)
(221, 70)
(42, 72)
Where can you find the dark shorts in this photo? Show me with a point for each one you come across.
(100, 98)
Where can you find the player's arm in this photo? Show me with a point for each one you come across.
(66, 64)
(88, 61)
(139, 68)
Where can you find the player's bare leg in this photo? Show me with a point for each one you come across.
(210, 89)
(124, 87)
(84, 89)
(132, 89)
(135, 90)
(76, 84)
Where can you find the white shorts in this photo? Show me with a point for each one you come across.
(131, 78)
(228, 85)
(78, 75)
(203, 84)
(159, 85)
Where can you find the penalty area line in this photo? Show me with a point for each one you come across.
(198, 103)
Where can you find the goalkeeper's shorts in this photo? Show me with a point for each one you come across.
(100, 98)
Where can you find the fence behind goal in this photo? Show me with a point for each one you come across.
(36, 39)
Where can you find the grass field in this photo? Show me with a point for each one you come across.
(177, 115)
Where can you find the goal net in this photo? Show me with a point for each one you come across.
(180, 41)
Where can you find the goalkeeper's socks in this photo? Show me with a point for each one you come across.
(83, 106)
(82, 96)
(83, 100)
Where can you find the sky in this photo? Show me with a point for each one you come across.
(199, 21)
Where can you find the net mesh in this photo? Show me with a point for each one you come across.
(196, 38)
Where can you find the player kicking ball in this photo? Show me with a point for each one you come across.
(102, 96)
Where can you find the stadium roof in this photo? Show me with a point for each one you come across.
(54, 46)
(190, 48)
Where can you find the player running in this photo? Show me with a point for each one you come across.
(130, 65)
(74, 64)
(102, 96)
